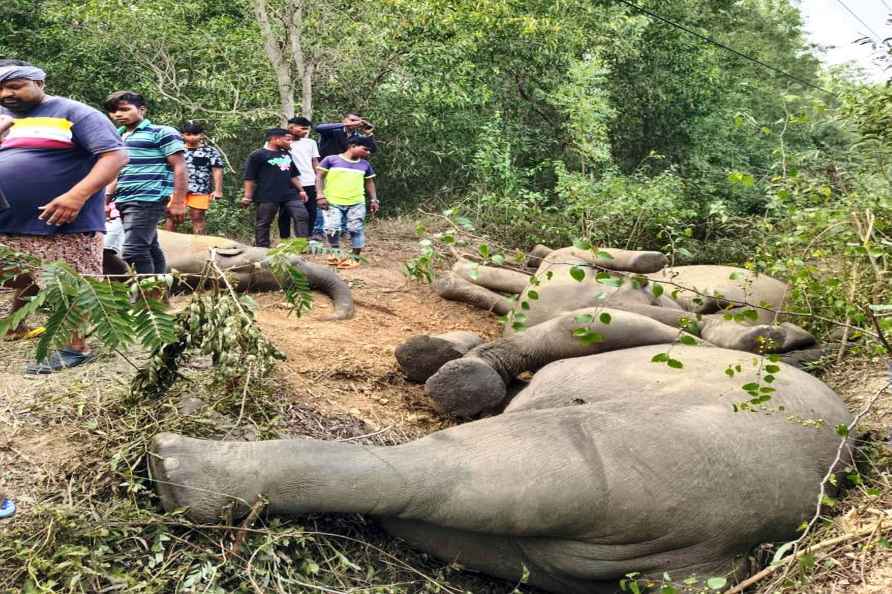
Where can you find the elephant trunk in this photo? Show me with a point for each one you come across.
(324, 279)
(478, 381)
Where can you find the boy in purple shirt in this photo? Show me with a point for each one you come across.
(341, 184)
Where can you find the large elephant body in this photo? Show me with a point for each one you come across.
(604, 465)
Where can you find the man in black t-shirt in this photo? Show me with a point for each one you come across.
(272, 180)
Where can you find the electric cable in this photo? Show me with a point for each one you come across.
(876, 36)
(723, 46)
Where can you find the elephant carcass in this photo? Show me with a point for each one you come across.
(568, 279)
(247, 266)
(604, 465)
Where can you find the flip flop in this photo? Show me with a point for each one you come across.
(348, 263)
(59, 360)
(25, 334)
(7, 509)
(333, 261)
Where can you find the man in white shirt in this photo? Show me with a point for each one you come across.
(305, 154)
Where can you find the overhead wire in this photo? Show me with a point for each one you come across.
(876, 36)
(721, 45)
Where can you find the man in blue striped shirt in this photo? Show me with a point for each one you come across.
(153, 183)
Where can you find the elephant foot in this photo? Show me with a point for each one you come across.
(202, 476)
(422, 356)
(466, 387)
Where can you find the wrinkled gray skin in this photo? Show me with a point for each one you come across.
(421, 356)
(639, 314)
(604, 465)
(246, 266)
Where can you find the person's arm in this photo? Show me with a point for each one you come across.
(217, 172)
(112, 187)
(65, 208)
(374, 205)
(248, 198)
(176, 208)
(321, 202)
(331, 127)
(6, 123)
(295, 181)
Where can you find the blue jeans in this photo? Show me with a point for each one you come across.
(353, 215)
(141, 247)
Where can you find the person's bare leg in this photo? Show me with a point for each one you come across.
(198, 222)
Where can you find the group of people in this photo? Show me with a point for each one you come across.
(283, 179)
(316, 187)
(73, 184)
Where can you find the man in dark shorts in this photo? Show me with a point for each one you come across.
(56, 157)
(272, 180)
(205, 166)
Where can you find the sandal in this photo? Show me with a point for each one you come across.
(59, 360)
(348, 263)
(24, 334)
(333, 260)
(7, 509)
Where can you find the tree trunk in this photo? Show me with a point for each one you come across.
(304, 66)
(279, 61)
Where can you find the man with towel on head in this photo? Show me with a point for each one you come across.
(56, 157)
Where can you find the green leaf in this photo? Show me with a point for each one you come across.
(716, 583)
(534, 295)
(842, 430)
(772, 368)
(498, 259)
(660, 358)
(577, 273)
(605, 278)
(602, 255)
(484, 250)
(688, 340)
(657, 289)
(465, 223)
(585, 319)
(605, 318)
(750, 387)
(674, 363)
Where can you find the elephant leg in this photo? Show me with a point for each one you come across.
(495, 279)
(454, 288)
(477, 382)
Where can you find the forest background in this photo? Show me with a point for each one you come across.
(529, 121)
(538, 120)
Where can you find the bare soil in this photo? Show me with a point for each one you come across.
(343, 380)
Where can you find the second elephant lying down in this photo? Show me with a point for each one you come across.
(247, 267)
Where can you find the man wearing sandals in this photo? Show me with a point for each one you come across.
(56, 157)
(341, 184)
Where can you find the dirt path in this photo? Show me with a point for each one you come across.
(348, 366)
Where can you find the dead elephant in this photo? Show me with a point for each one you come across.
(604, 465)
(575, 306)
(246, 266)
